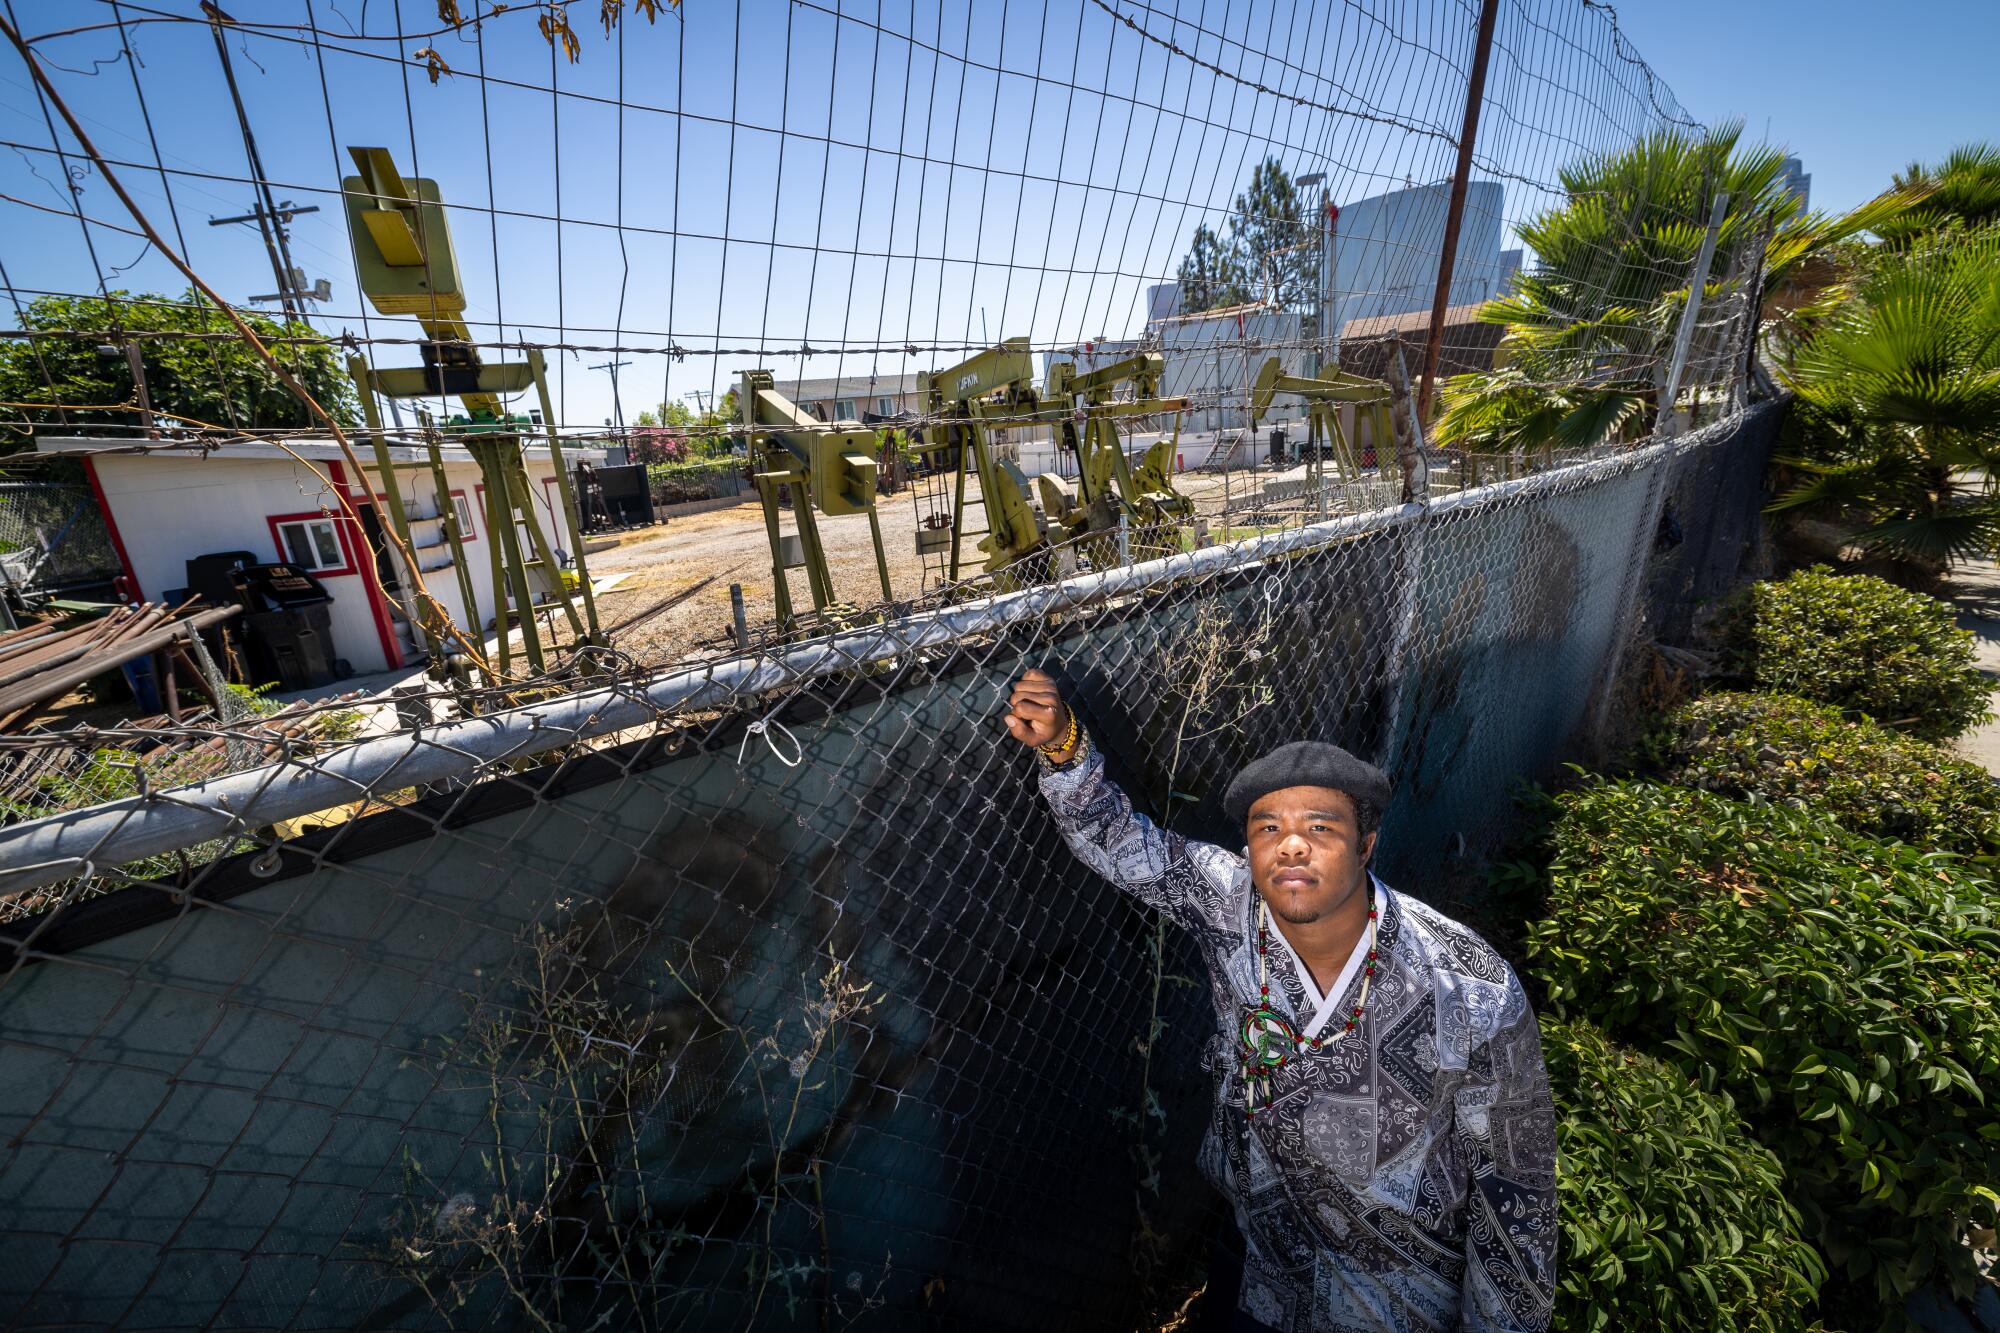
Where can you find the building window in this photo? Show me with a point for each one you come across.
(885, 407)
(843, 410)
(463, 509)
(311, 543)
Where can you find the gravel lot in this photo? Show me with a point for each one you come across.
(730, 545)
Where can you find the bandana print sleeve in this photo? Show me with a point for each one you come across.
(1506, 1123)
(1189, 881)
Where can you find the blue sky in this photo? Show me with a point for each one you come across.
(1857, 90)
(863, 173)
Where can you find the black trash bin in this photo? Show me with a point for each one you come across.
(287, 628)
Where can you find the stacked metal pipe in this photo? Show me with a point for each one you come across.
(42, 662)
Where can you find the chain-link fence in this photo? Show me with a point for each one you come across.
(750, 986)
(687, 483)
(760, 992)
(53, 539)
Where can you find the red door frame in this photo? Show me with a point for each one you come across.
(357, 547)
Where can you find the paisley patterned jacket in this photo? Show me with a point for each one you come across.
(1403, 1176)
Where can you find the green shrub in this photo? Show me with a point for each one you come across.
(1861, 644)
(1841, 989)
(1673, 1217)
(1790, 751)
(110, 774)
(695, 479)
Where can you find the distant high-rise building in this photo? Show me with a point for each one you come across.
(1796, 180)
(1385, 252)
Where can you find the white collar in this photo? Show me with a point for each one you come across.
(1324, 1005)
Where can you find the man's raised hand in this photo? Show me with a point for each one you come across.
(1036, 713)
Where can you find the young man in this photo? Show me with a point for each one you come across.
(1382, 1122)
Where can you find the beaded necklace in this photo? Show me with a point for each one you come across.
(1266, 1040)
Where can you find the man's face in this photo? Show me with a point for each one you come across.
(1307, 855)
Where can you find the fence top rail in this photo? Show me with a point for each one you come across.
(36, 853)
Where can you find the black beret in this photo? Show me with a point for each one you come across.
(1305, 764)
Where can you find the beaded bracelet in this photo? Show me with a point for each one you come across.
(1068, 742)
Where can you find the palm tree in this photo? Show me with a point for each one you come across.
(1590, 326)
(1963, 189)
(1899, 393)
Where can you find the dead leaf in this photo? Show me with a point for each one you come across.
(555, 26)
(434, 63)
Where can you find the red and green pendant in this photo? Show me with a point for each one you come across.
(1266, 1041)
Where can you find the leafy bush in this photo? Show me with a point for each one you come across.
(1790, 751)
(1841, 989)
(1673, 1217)
(186, 375)
(110, 774)
(1861, 644)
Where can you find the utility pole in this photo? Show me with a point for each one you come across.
(270, 217)
(1475, 95)
(616, 410)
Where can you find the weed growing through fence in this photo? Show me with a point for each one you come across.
(1214, 674)
(574, 1062)
(110, 774)
(568, 1207)
(840, 1002)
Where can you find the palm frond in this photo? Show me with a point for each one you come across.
(1961, 533)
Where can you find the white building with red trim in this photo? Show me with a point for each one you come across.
(167, 506)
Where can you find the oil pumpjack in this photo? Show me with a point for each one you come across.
(1325, 394)
(408, 266)
(995, 390)
(1107, 482)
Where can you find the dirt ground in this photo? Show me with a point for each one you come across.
(730, 545)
